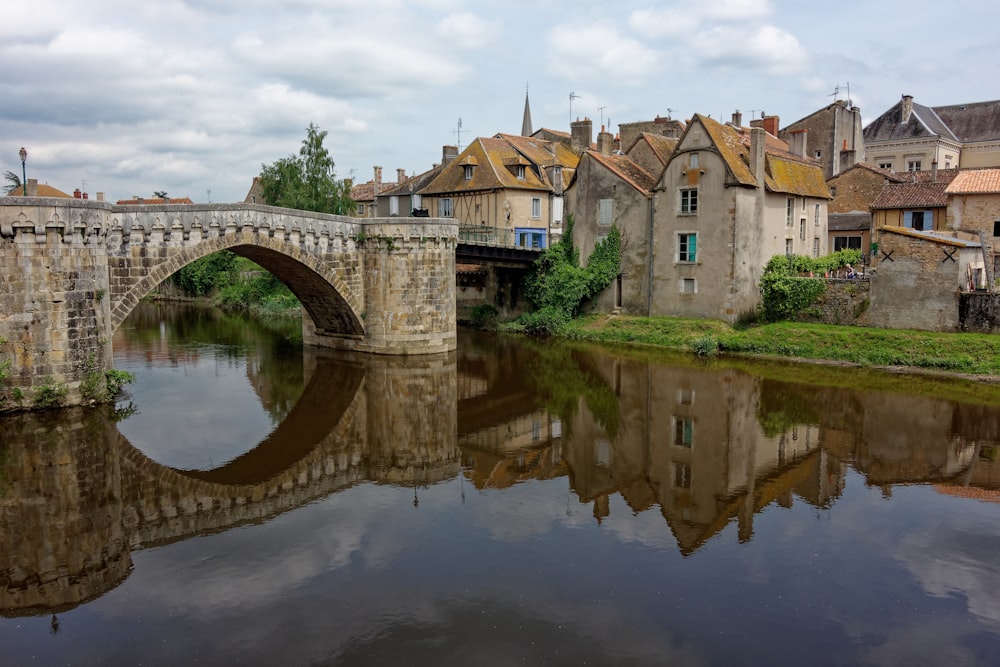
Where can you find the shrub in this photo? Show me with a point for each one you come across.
(50, 394)
(484, 316)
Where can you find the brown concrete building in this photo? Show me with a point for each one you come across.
(831, 136)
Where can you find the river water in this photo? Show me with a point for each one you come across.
(516, 502)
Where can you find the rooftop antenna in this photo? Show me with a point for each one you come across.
(458, 135)
(572, 96)
(600, 110)
(208, 191)
(670, 111)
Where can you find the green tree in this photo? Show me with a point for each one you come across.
(307, 181)
(14, 186)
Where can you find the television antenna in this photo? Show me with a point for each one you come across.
(600, 110)
(572, 96)
(458, 135)
(208, 191)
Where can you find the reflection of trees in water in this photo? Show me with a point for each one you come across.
(561, 376)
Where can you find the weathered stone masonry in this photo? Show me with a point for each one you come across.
(72, 270)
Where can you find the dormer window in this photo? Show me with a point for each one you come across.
(468, 172)
(519, 170)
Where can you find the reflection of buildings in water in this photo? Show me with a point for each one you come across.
(525, 447)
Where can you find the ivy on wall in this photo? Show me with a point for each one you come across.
(787, 286)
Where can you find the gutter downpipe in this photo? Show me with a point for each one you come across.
(652, 246)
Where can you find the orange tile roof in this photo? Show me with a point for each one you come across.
(975, 181)
(46, 190)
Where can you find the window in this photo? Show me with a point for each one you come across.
(682, 475)
(445, 210)
(687, 247)
(688, 286)
(520, 172)
(885, 164)
(685, 396)
(817, 154)
(602, 452)
(606, 210)
(417, 201)
(529, 237)
(788, 247)
(845, 242)
(803, 203)
(536, 208)
(683, 432)
(996, 228)
(361, 210)
(789, 211)
(816, 215)
(467, 172)
(913, 165)
(557, 210)
(815, 246)
(689, 201)
(918, 220)
(693, 161)
(802, 229)
(394, 205)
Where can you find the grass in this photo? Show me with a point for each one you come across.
(964, 353)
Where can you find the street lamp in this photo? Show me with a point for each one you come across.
(24, 182)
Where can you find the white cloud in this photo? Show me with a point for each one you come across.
(600, 54)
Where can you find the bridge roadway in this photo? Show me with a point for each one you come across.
(72, 270)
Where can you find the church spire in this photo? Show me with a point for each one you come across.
(526, 123)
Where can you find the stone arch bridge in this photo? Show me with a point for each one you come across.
(72, 270)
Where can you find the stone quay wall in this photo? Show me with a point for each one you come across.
(845, 301)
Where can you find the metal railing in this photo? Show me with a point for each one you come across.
(500, 237)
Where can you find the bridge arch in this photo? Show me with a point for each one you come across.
(326, 297)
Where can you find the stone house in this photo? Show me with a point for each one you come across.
(853, 191)
(729, 200)
(932, 267)
(614, 190)
(652, 152)
(833, 134)
(406, 197)
(918, 203)
(913, 137)
(974, 207)
(365, 194)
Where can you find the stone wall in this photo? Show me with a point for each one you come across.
(843, 302)
(979, 312)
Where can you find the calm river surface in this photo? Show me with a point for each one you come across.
(517, 502)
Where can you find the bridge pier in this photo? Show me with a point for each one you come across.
(72, 270)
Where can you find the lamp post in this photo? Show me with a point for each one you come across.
(24, 181)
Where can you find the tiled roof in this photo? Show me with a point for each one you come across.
(919, 192)
(492, 155)
(365, 192)
(413, 184)
(662, 147)
(783, 171)
(885, 173)
(975, 181)
(627, 170)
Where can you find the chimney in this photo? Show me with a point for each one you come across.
(797, 142)
(76, 193)
(581, 132)
(400, 175)
(769, 123)
(85, 196)
(32, 188)
(100, 196)
(757, 140)
(934, 170)
(605, 142)
(906, 108)
(377, 180)
(448, 154)
(737, 119)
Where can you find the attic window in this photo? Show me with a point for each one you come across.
(519, 170)
(468, 169)
(693, 161)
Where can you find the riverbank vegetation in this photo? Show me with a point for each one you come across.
(966, 353)
(236, 284)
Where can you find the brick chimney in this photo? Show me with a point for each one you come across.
(769, 123)
(737, 119)
(448, 155)
(581, 132)
(400, 175)
(757, 139)
(906, 108)
(377, 180)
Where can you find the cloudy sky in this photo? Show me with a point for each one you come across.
(192, 96)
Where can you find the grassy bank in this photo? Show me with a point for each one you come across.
(968, 354)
